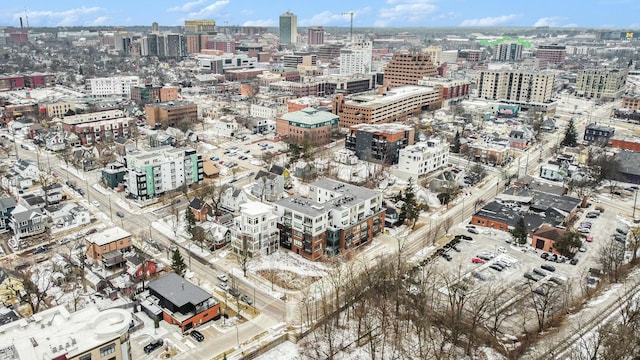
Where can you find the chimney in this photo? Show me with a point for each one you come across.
(21, 26)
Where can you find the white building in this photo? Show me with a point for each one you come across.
(422, 158)
(57, 334)
(112, 86)
(154, 172)
(218, 64)
(255, 230)
(268, 110)
(226, 127)
(356, 59)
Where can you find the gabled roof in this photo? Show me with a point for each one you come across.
(7, 202)
(261, 174)
(277, 169)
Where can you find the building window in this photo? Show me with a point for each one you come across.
(85, 357)
(109, 349)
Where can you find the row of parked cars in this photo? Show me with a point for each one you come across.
(231, 290)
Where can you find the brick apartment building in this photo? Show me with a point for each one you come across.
(146, 94)
(98, 126)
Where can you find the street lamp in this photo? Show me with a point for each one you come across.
(635, 200)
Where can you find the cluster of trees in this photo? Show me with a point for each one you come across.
(410, 207)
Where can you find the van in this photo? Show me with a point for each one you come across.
(119, 214)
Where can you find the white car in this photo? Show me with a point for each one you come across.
(223, 277)
(502, 249)
(95, 203)
(224, 286)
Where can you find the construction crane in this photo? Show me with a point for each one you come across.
(351, 13)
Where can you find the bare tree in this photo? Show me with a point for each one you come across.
(36, 285)
(611, 258)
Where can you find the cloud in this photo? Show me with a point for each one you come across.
(187, 6)
(489, 21)
(404, 11)
(61, 18)
(101, 20)
(552, 21)
(262, 22)
(210, 10)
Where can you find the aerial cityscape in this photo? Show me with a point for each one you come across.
(373, 180)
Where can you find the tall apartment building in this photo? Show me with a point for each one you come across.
(255, 232)
(507, 52)
(154, 172)
(379, 142)
(607, 84)
(55, 333)
(309, 125)
(435, 53)
(112, 86)
(315, 35)
(171, 113)
(422, 158)
(329, 52)
(554, 54)
(356, 59)
(288, 28)
(335, 217)
(408, 69)
(164, 45)
(516, 86)
(391, 106)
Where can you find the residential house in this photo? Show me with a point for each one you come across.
(27, 222)
(598, 134)
(231, 198)
(161, 138)
(255, 231)
(552, 172)
(113, 174)
(200, 209)
(33, 201)
(53, 193)
(54, 141)
(284, 172)
(68, 215)
(519, 138)
(107, 247)
(180, 302)
(268, 186)
(140, 268)
(7, 204)
(26, 169)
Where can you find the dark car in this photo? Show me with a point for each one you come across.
(622, 231)
(574, 261)
(592, 215)
(496, 267)
(446, 256)
(463, 237)
(119, 214)
(483, 257)
(473, 230)
(148, 349)
(540, 272)
(40, 249)
(197, 335)
(548, 267)
(544, 255)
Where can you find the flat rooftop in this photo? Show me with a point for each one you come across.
(108, 236)
(391, 96)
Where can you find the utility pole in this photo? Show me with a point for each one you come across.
(350, 13)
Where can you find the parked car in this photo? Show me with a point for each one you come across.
(540, 272)
(592, 215)
(496, 267)
(544, 255)
(548, 267)
(40, 249)
(246, 298)
(215, 158)
(455, 248)
(589, 238)
(539, 291)
(222, 277)
(95, 203)
(119, 214)
(446, 256)
(477, 260)
(574, 261)
(473, 230)
(531, 277)
(622, 231)
(148, 349)
(224, 286)
(502, 249)
(197, 335)
(583, 230)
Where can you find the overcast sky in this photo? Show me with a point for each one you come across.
(379, 13)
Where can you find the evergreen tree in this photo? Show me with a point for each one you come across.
(177, 263)
(520, 232)
(570, 135)
(568, 243)
(456, 143)
(410, 209)
(189, 221)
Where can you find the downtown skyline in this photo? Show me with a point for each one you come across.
(377, 13)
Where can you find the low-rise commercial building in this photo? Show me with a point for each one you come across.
(336, 217)
(112, 86)
(98, 126)
(598, 134)
(171, 114)
(309, 125)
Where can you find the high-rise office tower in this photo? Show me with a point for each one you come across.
(288, 28)
(356, 59)
(507, 52)
(315, 35)
(155, 27)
